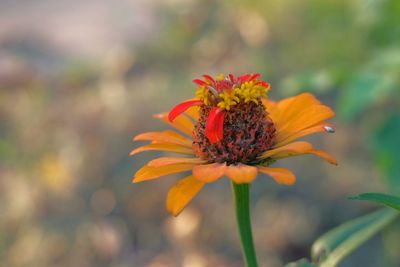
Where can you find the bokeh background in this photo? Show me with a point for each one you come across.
(79, 78)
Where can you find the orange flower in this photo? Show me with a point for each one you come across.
(231, 129)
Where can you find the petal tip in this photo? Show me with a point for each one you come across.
(209, 173)
(159, 115)
(182, 107)
(135, 180)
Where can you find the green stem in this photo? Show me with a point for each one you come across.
(241, 193)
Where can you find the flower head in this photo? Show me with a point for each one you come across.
(231, 128)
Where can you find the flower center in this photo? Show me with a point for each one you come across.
(247, 132)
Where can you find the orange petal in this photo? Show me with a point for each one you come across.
(280, 175)
(325, 155)
(194, 112)
(295, 149)
(268, 104)
(164, 161)
(291, 106)
(149, 173)
(163, 147)
(182, 122)
(284, 111)
(308, 117)
(241, 173)
(182, 193)
(165, 137)
(209, 172)
(289, 137)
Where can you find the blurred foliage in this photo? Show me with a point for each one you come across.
(301, 263)
(332, 247)
(385, 145)
(76, 84)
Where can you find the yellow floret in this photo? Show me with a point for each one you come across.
(249, 91)
(229, 98)
(220, 77)
(202, 94)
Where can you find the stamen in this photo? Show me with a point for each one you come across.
(213, 91)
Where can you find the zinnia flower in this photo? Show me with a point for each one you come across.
(232, 129)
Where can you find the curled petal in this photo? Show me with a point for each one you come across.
(182, 193)
(244, 78)
(280, 175)
(182, 107)
(241, 173)
(208, 77)
(199, 82)
(254, 76)
(265, 84)
(215, 125)
(209, 172)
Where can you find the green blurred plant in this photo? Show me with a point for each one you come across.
(332, 247)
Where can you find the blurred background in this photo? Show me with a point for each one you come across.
(78, 79)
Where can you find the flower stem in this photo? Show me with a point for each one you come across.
(241, 193)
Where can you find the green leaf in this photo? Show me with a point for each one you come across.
(301, 263)
(387, 200)
(338, 243)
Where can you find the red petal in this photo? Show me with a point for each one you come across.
(231, 77)
(254, 76)
(244, 78)
(208, 77)
(220, 126)
(265, 84)
(215, 125)
(182, 107)
(199, 82)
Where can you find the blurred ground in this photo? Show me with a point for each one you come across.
(79, 78)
